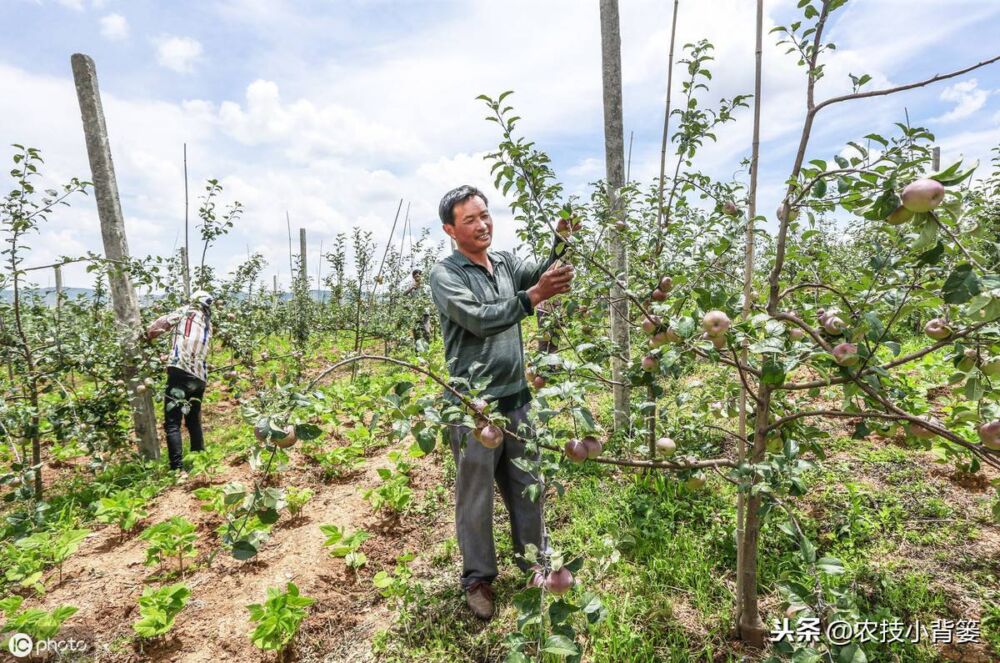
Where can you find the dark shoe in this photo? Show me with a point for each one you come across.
(479, 596)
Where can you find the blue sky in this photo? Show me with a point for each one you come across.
(334, 110)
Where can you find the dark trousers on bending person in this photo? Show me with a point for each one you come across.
(173, 410)
(479, 469)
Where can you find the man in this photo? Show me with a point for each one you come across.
(482, 296)
(413, 288)
(187, 373)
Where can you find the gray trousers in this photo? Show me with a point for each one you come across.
(478, 468)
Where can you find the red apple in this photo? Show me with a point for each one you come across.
(834, 325)
(989, 435)
(650, 363)
(490, 436)
(796, 333)
(922, 195)
(937, 328)
(666, 283)
(846, 354)
(715, 323)
(729, 208)
(593, 446)
(695, 482)
(575, 450)
(651, 324)
(559, 582)
(658, 295)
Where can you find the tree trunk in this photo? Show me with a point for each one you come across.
(748, 622)
(614, 155)
(126, 305)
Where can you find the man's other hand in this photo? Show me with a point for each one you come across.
(556, 280)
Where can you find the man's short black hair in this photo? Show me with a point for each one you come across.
(416, 271)
(446, 210)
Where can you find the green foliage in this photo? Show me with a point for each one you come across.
(171, 539)
(279, 617)
(342, 544)
(35, 622)
(123, 509)
(296, 499)
(158, 609)
(394, 495)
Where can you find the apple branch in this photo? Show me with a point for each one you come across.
(902, 88)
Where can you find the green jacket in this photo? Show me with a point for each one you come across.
(481, 315)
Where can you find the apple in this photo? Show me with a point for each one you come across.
(490, 436)
(660, 338)
(796, 333)
(899, 216)
(651, 324)
(665, 447)
(846, 354)
(989, 435)
(565, 227)
(991, 367)
(673, 336)
(658, 295)
(593, 446)
(479, 405)
(969, 359)
(576, 450)
(262, 429)
(695, 481)
(715, 323)
(288, 440)
(538, 382)
(538, 577)
(650, 363)
(937, 328)
(620, 226)
(784, 210)
(559, 582)
(141, 389)
(729, 208)
(718, 341)
(922, 195)
(666, 283)
(923, 433)
(833, 325)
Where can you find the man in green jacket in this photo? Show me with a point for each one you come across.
(482, 296)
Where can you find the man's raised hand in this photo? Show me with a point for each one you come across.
(556, 280)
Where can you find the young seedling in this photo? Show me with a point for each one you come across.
(278, 618)
(122, 509)
(158, 608)
(171, 539)
(342, 544)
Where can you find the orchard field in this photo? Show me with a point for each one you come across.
(748, 421)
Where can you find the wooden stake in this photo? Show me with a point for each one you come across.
(125, 303)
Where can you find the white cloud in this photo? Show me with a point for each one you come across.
(114, 27)
(178, 53)
(306, 130)
(968, 99)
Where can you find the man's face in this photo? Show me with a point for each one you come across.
(473, 228)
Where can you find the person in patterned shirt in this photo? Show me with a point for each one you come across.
(187, 373)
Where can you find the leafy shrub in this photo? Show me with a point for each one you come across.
(123, 509)
(278, 619)
(158, 608)
(171, 539)
(296, 499)
(342, 544)
(394, 495)
(35, 622)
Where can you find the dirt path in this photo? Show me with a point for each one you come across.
(106, 577)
